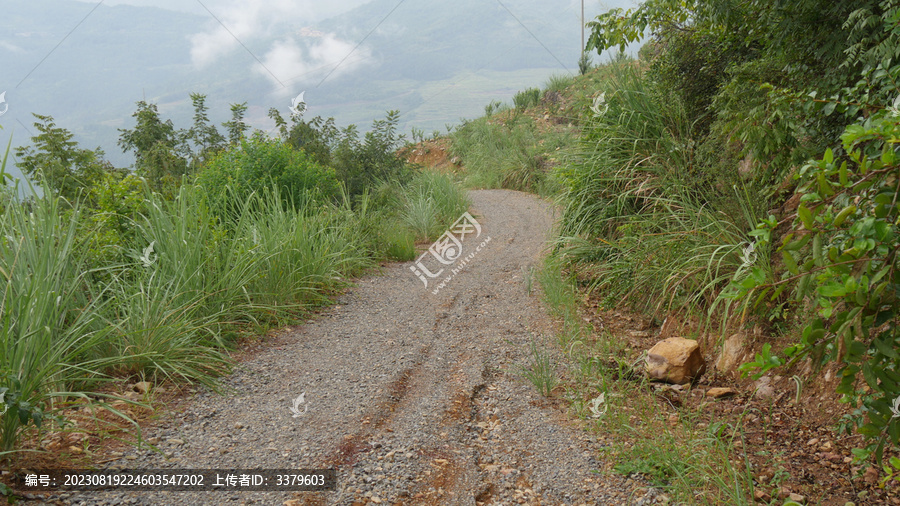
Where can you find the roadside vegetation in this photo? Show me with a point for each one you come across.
(113, 276)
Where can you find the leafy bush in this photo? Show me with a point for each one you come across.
(361, 164)
(259, 163)
(841, 262)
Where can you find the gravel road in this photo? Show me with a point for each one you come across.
(411, 396)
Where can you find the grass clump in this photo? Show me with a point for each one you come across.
(541, 372)
(528, 98)
(638, 218)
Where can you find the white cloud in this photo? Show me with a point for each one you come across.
(11, 47)
(251, 20)
(292, 62)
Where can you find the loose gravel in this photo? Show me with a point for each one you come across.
(412, 397)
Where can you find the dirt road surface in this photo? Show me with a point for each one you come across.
(413, 397)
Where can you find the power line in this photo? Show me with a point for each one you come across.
(60, 42)
(242, 44)
(534, 36)
(360, 42)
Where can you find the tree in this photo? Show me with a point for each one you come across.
(236, 127)
(56, 160)
(160, 152)
(204, 135)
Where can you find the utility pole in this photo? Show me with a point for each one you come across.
(582, 26)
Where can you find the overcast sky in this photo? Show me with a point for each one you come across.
(289, 55)
(314, 9)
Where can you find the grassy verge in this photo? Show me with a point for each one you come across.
(514, 147)
(668, 444)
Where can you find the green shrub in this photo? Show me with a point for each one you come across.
(361, 164)
(259, 163)
(528, 98)
(841, 261)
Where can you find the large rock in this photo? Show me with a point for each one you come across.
(675, 360)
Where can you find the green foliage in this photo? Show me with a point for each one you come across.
(141, 275)
(541, 372)
(394, 216)
(116, 202)
(559, 83)
(638, 216)
(206, 139)
(236, 127)
(585, 63)
(258, 163)
(49, 323)
(492, 107)
(157, 147)
(168, 306)
(430, 203)
(763, 362)
(694, 66)
(20, 412)
(163, 155)
(316, 137)
(361, 164)
(841, 259)
(55, 160)
(763, 86)
(531, 97)
(688, 461)
(511, 152)
(5, 176)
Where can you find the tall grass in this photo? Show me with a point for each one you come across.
(640, 215)
(51, 317)
(167, 313)
(430, 203)
(509, 152)
(530, 97)
(559, 82)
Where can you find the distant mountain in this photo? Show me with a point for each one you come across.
(435, 61)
